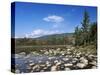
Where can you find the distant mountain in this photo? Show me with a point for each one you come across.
(45, 37)
(54, 39)
(55, 36)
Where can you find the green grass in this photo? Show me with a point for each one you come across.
(36, 50)
(29, 49)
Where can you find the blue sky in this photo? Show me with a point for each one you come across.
(34, 19)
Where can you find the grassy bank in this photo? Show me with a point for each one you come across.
(56, 49)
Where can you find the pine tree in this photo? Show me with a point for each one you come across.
(93, 33)
(85, 28)
(76, 35)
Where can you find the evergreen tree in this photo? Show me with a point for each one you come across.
(85, 28)
(93, 33)
(76, 35)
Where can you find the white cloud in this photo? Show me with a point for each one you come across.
(16, 37)
(54, 19)
(41, 32)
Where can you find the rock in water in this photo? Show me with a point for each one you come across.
(48, 63)
(94, 67)
(93, 63)
(65, 59)
(31, 64)
(69, 64)
(84, 60)
(46, 53)
(22, 53)
(81, 65)
(35, 67)
(68, 49)
(58, 49)
(91, 56)
(17, 71)
(56, 61)
(67, 69)
(53, 68)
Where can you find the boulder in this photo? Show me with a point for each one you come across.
(68, 49)
(54, 68)
(67, 69)
(48, 63)
(22, 53)
(81, 65)
(58, 49)
(31, 64)
(93, 63)
(68, 64)
(65, 59)
(35, 67)
(84, 60)
(94, 67)
(56, 61)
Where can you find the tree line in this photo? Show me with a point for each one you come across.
(87, 33)
(67, 40)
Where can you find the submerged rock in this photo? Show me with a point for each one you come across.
(48, 63)
(17, 71)
(22, 53)
(65, 59)
(66, 69)
(31, 64)
(94, 67)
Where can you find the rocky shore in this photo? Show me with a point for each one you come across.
(61, 59)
